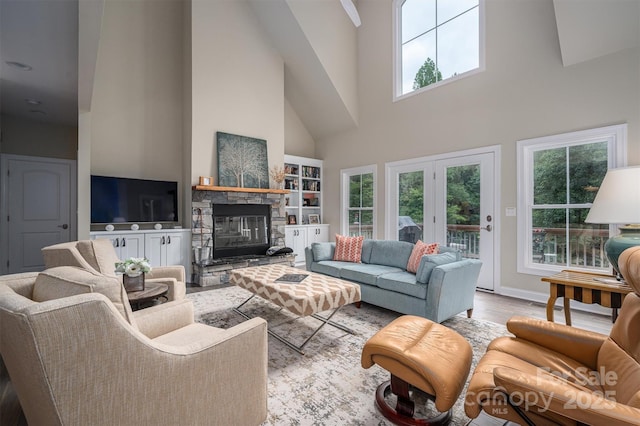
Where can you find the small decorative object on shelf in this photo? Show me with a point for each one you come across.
(109, 227)
(133, 270)
(291, 219)
(135, 227)
(277, 174)
(206, 181)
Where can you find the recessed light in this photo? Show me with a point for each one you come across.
(37, 111)
(19, 65)
(32, 101)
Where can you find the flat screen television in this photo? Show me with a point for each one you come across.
(124, 200)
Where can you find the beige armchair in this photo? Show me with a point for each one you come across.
(553, 374)
(100, 256)
(77, 355)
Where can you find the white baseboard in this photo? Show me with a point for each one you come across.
(534, 296)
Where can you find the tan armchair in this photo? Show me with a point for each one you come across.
(100, 256)
(555, 374)
(77, 355)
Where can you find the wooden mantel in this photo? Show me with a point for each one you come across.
(238, 189)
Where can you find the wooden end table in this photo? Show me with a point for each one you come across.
(151, 292)
(585, 287)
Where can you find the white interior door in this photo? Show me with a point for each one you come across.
(38, 209)
(466, 216)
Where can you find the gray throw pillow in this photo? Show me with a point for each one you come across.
(430, 261)
(323, 251)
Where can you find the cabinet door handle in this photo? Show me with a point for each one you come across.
(162, 240)
(117, 242)
(168, 239)
(124, 242)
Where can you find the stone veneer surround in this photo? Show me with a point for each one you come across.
(202, 228)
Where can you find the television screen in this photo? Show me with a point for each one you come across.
(123, 200)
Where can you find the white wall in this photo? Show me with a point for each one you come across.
(27, 137)
(525, 92)
(297, 140)
(237, 83)
(136, 125)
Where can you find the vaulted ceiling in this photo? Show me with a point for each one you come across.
(44, 35)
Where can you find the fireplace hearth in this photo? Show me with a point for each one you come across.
(239, 227)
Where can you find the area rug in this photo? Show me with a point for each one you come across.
(327, 385)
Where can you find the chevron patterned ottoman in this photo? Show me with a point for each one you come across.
(312, 294)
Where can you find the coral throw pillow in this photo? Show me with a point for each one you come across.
(419, 250)
(348, 249)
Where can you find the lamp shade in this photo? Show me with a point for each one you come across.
(618, 199)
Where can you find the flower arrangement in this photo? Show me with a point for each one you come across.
(277, 174)
(134, 266)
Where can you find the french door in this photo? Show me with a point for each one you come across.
(450, 200)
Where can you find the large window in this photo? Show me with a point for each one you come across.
(358, 201)
(559, 177)
(436, 40)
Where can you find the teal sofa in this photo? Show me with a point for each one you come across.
(443, 286)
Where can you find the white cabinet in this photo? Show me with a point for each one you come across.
(162, 247)
(166, 248)
(317, 234)
(296, 238)
(299, 237)
(127, 244)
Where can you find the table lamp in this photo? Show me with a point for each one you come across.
(618, 202)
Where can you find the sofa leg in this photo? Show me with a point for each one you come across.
(358, 304)
(469, 312)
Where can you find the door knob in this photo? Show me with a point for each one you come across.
(487, 228)
(64, 226)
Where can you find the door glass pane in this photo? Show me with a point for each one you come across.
(463, 209)
(410, 206)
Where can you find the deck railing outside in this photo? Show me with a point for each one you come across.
(586, 246)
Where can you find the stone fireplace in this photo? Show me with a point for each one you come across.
(238, 226)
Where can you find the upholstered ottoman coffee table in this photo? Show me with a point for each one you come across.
(421, 355)
(300, 292)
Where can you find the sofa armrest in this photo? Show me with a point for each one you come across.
(176, 272)
(162, 319)
(177, 289)
(578, 344)
(452, 288)
(308, 257)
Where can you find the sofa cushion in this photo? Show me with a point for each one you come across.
(322, 251)
(348, 249)
(329, 267)
(429, 262)
(367, 246)
(391, 253)
(65, 281)
(403, 282)
(419, 250)
(366, 274)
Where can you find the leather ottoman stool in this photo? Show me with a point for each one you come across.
(421, 355)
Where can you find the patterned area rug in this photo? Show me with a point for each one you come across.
(327, 385)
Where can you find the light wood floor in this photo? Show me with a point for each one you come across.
(488, 306)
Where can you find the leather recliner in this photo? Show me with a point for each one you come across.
(550, 373)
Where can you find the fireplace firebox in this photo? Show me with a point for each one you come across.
(241, 229)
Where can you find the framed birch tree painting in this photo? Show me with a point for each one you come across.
(242, 161)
